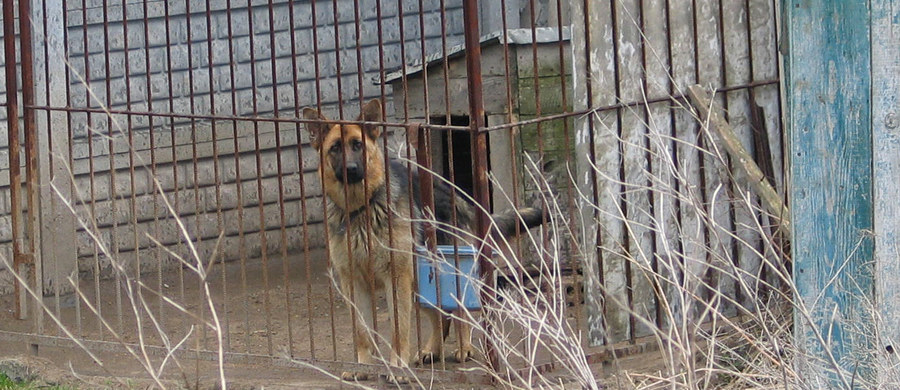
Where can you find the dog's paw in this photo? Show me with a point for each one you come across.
(396, 379)
(351, 376)
(428, 357)
(463, 355)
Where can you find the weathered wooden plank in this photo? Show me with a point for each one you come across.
(595, 152)
(744, 248)
(608, 162)
(692, 247)
(829, 85)
(659, 132)
(637, 210)
(885, 19)
(57, 253)
(718, 222)
(764, 59)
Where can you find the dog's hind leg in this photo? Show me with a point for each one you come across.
(433, 350)
(464, 353)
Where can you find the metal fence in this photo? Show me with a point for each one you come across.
(163, 152)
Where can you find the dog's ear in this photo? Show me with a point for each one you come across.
(371, 112)
(316, 129)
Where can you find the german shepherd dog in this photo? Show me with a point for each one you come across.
(365, 229)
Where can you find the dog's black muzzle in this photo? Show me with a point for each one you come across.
(355, 174)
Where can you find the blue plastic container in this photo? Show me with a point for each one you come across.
(447, 274)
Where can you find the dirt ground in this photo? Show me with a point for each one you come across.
(291, 310)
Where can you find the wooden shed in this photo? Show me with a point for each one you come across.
(518, 66)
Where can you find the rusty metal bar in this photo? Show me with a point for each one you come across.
(264, 247)
(250, 117)
(92, 173)
(448, 152)
(395, 318)
(157, 257)
(303, 210)
(318, 84)
(138, 309)
(15, 178)
(111, 136)
(479, 145)
(217, 176)
(176, 203)
(198, 211)
(238, 180)
(367, 211)
(70, 144)
(285, 268)
(351, 295)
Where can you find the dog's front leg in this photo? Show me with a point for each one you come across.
(402, 287)
(360, 304)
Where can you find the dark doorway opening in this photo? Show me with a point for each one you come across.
(457, 160)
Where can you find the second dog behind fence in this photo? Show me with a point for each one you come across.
(372, 233)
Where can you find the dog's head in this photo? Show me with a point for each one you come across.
(348, 151)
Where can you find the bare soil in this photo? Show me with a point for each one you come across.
(292, 310)
(286, 308)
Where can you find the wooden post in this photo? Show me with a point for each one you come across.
(829, 87)
(57, 247)
(886, 140)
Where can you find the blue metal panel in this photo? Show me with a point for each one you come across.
(830, 129)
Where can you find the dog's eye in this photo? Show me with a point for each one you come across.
(336, 147)
(356, 144)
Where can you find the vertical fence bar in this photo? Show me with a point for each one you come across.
(154, 173)
(260, 194)
(32, 221)
(198, 211)
(217, 176)
(70, 160)
(15, 178)
(479, 146)
(111, 189)
(98, 303)
(318, 84)
(285, 268)
(238, 180)
(304, 212)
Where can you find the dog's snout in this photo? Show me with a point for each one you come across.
(354, 173)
